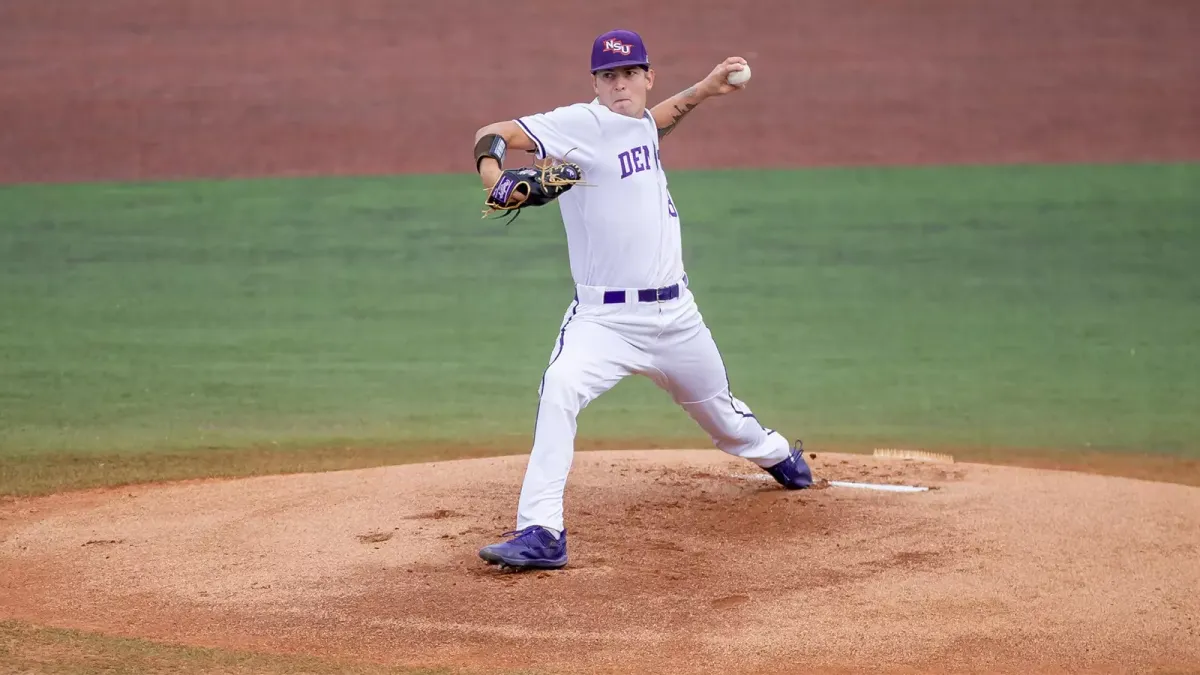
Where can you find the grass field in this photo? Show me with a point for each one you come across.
(194, 328)
(28, 649)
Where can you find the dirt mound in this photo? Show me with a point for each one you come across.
(679, 561)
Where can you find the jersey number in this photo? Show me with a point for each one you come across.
(671, 208)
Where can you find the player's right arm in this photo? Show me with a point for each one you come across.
(492, 143)
(567, 133)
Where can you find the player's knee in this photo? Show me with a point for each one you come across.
(729, 432)
(561, 389)
(749, 438)
(734, 439)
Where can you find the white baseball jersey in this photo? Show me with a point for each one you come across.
(622, 227)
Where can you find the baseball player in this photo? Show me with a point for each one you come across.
(633, 312)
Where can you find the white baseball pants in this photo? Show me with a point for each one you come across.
(599, 345)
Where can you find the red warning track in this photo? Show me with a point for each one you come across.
(136, 89)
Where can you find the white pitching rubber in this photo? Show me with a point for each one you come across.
(846, 484)
(878, 486)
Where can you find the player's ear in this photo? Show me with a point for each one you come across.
(649, 79)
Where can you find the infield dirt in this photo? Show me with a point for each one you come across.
(681, 561)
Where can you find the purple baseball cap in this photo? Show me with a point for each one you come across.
(618, 48)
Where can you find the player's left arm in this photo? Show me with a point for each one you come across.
(670, 112)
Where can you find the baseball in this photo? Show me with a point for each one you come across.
(739, 76)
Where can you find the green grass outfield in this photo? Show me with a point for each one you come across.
(183, 328)
(30, 650)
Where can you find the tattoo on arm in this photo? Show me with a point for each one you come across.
(681, 111)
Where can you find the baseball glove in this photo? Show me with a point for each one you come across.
(531, 186)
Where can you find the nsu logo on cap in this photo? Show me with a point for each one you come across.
(617, 47)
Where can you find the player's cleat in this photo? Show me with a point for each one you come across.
(532, 548)
(793, 473)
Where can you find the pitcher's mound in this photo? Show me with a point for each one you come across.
(678, 562)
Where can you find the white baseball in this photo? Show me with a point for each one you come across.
(739, 76)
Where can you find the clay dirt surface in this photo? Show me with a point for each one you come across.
(681, 561)
(139, 89)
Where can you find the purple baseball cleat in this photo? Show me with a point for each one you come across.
(793, 473)
(533, 547)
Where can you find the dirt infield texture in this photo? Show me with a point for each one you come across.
(137, 89)
(680, 562)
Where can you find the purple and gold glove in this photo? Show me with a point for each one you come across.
(531, 186)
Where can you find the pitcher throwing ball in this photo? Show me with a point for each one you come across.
(633, 313)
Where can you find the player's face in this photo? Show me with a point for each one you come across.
(623, 90)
